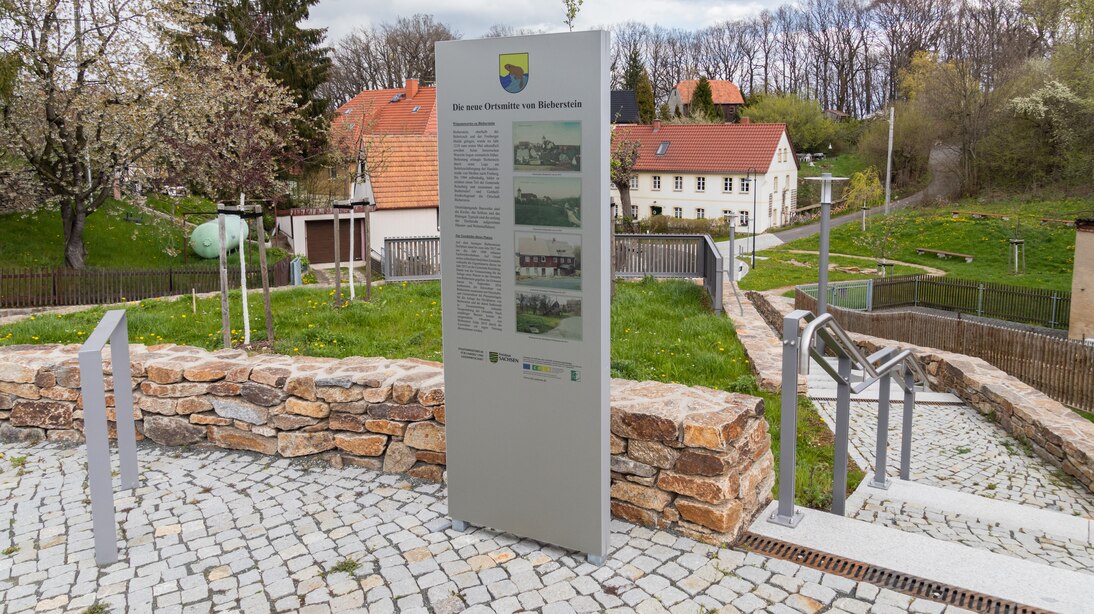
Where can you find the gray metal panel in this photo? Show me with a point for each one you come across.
(524, 456)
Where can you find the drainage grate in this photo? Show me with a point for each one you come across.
(880, 576)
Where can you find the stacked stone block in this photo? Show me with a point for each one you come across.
(693, 458)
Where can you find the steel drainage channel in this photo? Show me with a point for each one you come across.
(880, 576)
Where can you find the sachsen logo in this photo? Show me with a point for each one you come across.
(496, 357)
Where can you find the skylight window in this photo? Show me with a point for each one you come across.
(416, 108)
(663, 148)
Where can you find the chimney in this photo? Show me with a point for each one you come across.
(656, 125)
(411, 88)
(745, 121)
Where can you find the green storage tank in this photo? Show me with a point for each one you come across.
(204, 239)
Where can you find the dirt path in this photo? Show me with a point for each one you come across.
(929, 270)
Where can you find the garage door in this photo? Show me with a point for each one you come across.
(320, 235)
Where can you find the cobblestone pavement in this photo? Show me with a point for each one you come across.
(956, 448)
(1017, 542)
(224, 531)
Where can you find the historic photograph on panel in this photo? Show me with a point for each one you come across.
(548, 201)
(549, 315)
(547, 146)
(548, 260)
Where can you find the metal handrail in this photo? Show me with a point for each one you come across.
(799, 345)
(842, 342)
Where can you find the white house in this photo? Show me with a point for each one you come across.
(703, 171)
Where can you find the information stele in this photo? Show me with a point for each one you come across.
(523, 159)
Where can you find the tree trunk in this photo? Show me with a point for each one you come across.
(73, 218)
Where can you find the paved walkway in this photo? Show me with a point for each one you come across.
(224, 531)
(958, 449)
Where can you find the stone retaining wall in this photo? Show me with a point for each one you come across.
(1055, 433)
(694, 459)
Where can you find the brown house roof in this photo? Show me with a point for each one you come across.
(724, 92)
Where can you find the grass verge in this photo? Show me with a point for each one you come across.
(781, 269)
(1050, 248)
(661, 331)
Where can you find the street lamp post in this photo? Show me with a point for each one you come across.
(732, 246)
(752, 222)
(825, 180)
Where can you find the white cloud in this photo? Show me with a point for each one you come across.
(471, 18)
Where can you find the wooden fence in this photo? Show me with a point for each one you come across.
(59, 287)
(1037, 306)
(636, 255)
(1061, 368)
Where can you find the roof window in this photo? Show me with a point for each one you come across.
(416, 109)
(663, 148)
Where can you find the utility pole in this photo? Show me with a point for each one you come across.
(889, 160)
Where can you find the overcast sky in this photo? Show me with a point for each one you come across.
(471, 18)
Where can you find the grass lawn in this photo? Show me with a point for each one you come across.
(1050, 248)
(840, 166)
(661, 331)
(36, 240)
(781, 269)
(176, 206)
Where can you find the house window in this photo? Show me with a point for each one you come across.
(700, 184)
(657, 182)
(770, 208)
(725, 215)
(678, 183)
(634, 212)
(776, 184)
(727, 184)
(746, 185)
(678, 212)
(742, 216)
(634, 182)
(700, 214)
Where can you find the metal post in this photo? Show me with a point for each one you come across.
(225, 321)
(243, 271)
(732, 248)
(822, 273)
(870, 294)
(843, 431)
(880, 479)
(788, 423)
(297, 271)
(889, 161)
(906, 433)
(93, 390)
(980, 301)
(1052, 320)
(352, 214)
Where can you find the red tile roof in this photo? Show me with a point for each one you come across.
(400, 139)
(724, 92)
(711, 148)
(406, 177)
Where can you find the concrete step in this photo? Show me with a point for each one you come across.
(1005, 577)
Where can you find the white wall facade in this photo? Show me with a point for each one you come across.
(418, 222)
(775, 194)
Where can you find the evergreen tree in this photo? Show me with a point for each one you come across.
(270, 33)
(632, 71)
(644, 94)
(702, 101)
(663, 112)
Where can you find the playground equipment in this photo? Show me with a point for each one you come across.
(204, 239)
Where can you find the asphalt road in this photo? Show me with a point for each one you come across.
(943, 184)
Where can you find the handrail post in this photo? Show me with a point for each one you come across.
(906, 433)
(843, 431)
(881, 480)
(93, 391)
(786, 515)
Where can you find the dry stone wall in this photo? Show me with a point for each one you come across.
(695, 459)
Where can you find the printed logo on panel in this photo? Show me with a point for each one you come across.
(513, 71)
